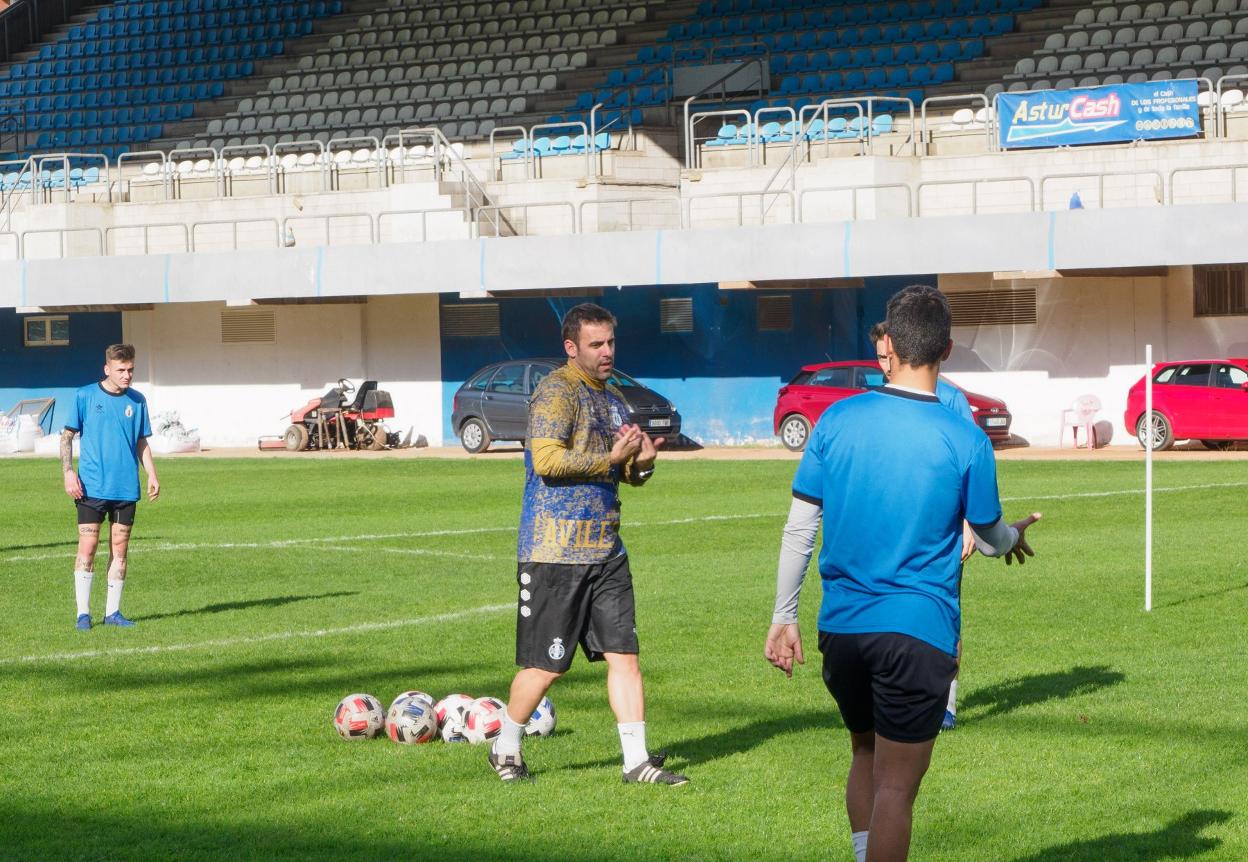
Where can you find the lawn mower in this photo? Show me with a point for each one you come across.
(331, 421)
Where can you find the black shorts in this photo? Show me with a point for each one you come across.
(561, 606)
(893, 684)
(93, 511)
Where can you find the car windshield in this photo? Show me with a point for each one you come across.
(619, 379)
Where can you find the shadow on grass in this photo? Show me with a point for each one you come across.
(71, 545)
(1179, 839)
(1015, 694)
(221, 607)
(742, 738)
(1209, 595)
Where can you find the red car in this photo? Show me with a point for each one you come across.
(803, 399)
(1196, 399)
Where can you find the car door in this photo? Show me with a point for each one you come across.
(825, 387)
(1189, 402)
(505, 403)
(1230, 402)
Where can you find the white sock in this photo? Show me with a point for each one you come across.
(82, 590)
(114, 597)
(508, 741)
(952, 706)
(860, 845)
(633, 742)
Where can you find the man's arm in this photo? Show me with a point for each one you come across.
(1005, 540)
(552, 459)
(797, 545)
(73, 487)
(637, 470)
(149, 467)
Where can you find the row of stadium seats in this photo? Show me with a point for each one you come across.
(181, 94)
(1175, 10)
(563, 145)
(49, 179)
(452, 9)
(907, 54)
(777, 25)
(1140, 59)
(860, 13)
(842, 128)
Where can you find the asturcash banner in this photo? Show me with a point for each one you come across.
(1099, 115)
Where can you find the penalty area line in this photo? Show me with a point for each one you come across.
(258, 639)
(1125, 492)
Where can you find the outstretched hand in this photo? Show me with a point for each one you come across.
(784, 646)
(1021, 549)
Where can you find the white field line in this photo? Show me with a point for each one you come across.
(1127, 491)
(425, 552)
(257, 639)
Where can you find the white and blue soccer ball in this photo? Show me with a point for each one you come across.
(411, 721)
(542, 722)
(419, 695)
(450, 714)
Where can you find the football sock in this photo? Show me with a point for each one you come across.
(82, 589)
(633, 742)
(114, 597)
(952, 706)
(860, 845)
(508, 741)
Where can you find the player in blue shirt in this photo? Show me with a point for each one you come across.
(892, 474)
(113, 422)
(952, 397)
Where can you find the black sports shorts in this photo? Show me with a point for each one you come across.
(561, 606)
(891, 683)
(93, 511)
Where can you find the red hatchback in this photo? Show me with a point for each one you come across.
(804, 398)
(1196, 399)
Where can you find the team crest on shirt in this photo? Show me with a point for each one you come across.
(129, 411)
(556, 650)
(616, 419)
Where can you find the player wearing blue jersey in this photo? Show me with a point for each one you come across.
(890, 615)
(952, 397)
(575, 587)
(114, 426)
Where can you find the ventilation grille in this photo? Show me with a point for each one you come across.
(775, 313)
(993, 307)
(676, 315)
(474, 320)
(248, 326)
(1220, 291)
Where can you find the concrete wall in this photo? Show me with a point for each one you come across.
(233, 393)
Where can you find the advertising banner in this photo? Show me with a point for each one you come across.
(1099, 115)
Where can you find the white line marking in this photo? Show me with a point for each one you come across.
(276, 636)
(426, 552)
(1127, 491)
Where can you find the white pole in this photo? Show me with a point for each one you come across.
(1148, 477)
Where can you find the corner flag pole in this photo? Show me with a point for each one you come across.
(1148, 477)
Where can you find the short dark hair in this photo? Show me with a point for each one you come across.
(119, 353)
(919, 322)
(877, 332)
(584, 313)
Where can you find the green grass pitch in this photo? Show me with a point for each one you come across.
(266, 590)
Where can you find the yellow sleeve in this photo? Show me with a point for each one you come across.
(552, 459)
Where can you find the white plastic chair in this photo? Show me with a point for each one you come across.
(1082, 414)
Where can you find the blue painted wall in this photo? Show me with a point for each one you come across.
(54, 372)
(722, 377)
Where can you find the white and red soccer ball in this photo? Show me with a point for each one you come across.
(542, 722)
(450, 714)
(483, 719)
(359, 716)
(411, 720)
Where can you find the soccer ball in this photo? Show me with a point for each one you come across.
(483, 720)
(411, 721)
(419, 695)
(359, 716)
(542, 722)
(450, 714)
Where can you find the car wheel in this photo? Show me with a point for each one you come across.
(1217, 445)
(474, 436)
(1163, 434)
(793, 432)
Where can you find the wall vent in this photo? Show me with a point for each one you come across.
(471, 320)
(248, 326)
(993, 307)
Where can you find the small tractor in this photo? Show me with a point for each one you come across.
(331, 421)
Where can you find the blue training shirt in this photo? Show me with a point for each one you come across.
(896, 473)
(952, 397)
(111, 426)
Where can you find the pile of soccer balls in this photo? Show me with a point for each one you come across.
(414, 718)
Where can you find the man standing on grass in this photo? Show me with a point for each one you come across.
(574, 579)
(889, 621)
(112, 419)
(952, 397)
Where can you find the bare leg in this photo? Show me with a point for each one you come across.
(625, 690)
(860, 788)
(527, 690)
(88, 541)
(117, 549)
(899, 769)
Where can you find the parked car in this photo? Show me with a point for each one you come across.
(803, 399)
(494, 403)
(1194, 399)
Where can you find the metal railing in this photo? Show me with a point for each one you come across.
(629, 203)
(148, 156)
(853, 192)
(234, 225)
(17, 244)
(1195, 169)
(110, 233)
(298, 149)
(182, 158)
(327, 219)
(496, 213)
(345, 145)
(975, 183)
(1159, 188)
(720, 82)
(926, 134)
(694, 152)
(497, 158)
(423, 214)
(1221, 110)
(740, 197)
(227, 156)
(63, 246)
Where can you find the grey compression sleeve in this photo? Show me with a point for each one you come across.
(796, 547)
(995, 541)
